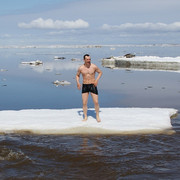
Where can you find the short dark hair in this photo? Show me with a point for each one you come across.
(86, 55)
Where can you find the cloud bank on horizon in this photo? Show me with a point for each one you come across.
(57, 24)
(159, 27)
(83, 21)
(41, 23)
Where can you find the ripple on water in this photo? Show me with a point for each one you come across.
(98, 156)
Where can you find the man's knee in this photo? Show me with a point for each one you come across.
(84, 103)
(96, 103)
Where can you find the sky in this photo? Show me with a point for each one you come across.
(47, 22)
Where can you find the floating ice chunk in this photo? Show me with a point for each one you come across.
(143, 62)
(69, 121)
(112, 48)
(75, 59)
(57, 83)
(3, 70)
(129, 55)
(58, 74)
(57, 57)
(35, 63)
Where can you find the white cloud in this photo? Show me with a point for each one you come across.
(57, 24)
(146, 27)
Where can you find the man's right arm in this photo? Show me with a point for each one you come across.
(77, 78)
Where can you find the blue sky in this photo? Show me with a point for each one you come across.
(89, 22)
(12, 7)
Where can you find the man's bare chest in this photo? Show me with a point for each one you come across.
(87, 71)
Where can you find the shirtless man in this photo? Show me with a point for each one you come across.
(88, 71)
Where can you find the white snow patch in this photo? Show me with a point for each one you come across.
(149, 58)
(69, 121)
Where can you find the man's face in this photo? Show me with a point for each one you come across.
(87, 60)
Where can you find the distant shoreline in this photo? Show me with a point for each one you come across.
(85, 46)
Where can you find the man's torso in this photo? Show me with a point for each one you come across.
(88, 74)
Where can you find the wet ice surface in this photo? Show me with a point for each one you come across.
(69, 121)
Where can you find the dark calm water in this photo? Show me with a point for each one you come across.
(30, 156)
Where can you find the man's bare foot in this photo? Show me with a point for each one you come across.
(98, 119)
(85, 118)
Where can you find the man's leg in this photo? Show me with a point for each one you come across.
(85, 101)
(96, 106)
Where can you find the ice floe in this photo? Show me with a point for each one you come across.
(69, 121)
(143, 62)
(62, 83)
(3, 70)
(58, 57)
(35, 63)
(75, 59)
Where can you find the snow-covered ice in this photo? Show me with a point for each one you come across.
(148, 58)
(143, 63)
(69, 121)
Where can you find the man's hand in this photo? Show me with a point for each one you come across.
(95, 83)
(79, 86)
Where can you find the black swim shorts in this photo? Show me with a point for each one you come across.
(89, 88)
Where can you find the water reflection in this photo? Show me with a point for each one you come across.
(118, 88)
(52, 66)
(89, 146)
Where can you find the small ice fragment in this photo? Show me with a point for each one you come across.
(57, 83)
(3, 70)
(37, 62)
(75, 59)
(57, 57)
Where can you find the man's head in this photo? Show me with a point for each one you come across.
(86, 55)
(87, 59)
